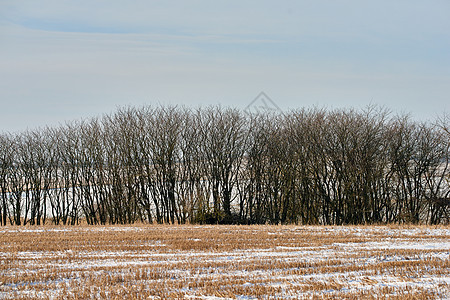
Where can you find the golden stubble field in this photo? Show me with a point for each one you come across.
(225, 262)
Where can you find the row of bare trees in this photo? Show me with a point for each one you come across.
(216, 165)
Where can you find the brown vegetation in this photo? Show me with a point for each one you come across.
(197, 262)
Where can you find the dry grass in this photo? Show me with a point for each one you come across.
(203, 262)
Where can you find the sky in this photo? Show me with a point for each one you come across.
(68, 60)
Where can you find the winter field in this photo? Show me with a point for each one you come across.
(225, 262)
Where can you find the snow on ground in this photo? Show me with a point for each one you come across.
(385, 261)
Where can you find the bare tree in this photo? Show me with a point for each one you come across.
(6, 168)
(222, 143)
(214, 165)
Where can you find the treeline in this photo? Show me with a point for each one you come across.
(217, 165)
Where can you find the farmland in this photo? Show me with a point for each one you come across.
(224, 262)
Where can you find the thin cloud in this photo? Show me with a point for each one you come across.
(91, 56)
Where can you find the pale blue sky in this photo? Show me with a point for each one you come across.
(64, 60)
